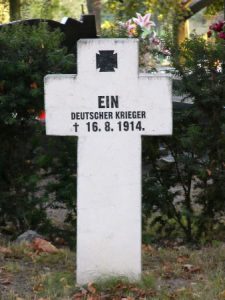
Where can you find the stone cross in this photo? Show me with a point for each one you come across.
(109, 106)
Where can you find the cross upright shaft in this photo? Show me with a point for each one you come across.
(109, 207)
(109, 106)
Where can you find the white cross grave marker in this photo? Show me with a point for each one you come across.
(109, 105)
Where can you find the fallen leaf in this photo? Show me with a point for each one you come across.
(172, 296)
(38, 288)
(167, 271)
(181, 290)
(31, 254)
(41, 245)
(5, 281)
(182, 259)
(190, 268)
(78, 296)
(5, 250)
(222, 295)
(83, 291)
(148, 249)
(121, 286)
(93, 297)
(91, 288)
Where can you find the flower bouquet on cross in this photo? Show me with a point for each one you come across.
(141, 26)
(152, 48)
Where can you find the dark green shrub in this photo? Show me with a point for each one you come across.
(197, 147)
(27, 157)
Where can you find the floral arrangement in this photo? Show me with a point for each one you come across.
(152, 49)
(217, 30)
(141, 25)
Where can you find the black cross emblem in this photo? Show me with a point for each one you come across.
(106, 61)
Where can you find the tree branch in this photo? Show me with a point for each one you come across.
(196, 6)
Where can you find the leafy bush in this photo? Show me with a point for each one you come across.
(197, 147)
(29, 160)
(183, 191)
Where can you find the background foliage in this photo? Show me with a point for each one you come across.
(30, 162)
(50, 9)
(183, 182)
(190, 192)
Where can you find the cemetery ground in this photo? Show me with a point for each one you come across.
(170, 271)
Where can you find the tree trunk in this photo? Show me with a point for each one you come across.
(14, 10)
(94, 8)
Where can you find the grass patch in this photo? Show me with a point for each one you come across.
(172, 273)
(110, 283)
(55, 285)
(17, 251)
(148, 281)
(212, 286)
(12, 267)
(64, 256)
(120, 287)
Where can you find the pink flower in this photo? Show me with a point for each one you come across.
(221, 35)
(130, 27)
(155, 41)
(143, 22)
(166, 52)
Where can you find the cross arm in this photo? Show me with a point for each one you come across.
(59, 97)
(155, 95)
